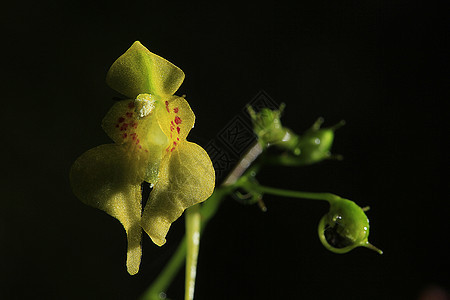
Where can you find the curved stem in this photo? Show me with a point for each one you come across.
(245, 183)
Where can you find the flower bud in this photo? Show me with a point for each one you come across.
(345, 227)
(315, 144)
(267, 126)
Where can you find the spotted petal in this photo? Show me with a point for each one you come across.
(140, 71)
(142, 136)
(105, 178)
(186, 178)
(177, 119)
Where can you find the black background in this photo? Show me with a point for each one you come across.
(377, 64)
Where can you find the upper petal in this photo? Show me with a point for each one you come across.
(186, 178)
(104, 178)
(140, 71)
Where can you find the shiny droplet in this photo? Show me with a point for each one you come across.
(335, 239)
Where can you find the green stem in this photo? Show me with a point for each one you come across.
(244, 163)
(207, 210)
(193, 223)
(253, 186)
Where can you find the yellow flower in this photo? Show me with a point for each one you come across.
(149, 133)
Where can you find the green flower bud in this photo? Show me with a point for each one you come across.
(345, 227)
(315, 144)
(267, 126)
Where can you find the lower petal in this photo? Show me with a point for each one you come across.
(186, 178)
(102, 178)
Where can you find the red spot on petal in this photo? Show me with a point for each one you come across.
(177, 120)
(167, 106)
(125, 135)
(174, 143)
(140, 147)
(121, 119)
(175, 110)
(172, 149)
(146, 150)
(178, 129)
(131, 104)
(178, 138)
(124, 127)
(171, 128)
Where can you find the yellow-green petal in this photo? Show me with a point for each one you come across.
(186, 178)
(143, 136)
(104, 177)
(140, 71)
(177, 119)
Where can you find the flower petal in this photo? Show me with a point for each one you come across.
(177, 119)
(186, 178)
(140, 71)
(102, 178)
(142, 135)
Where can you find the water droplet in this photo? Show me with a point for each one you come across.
(334, 238)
